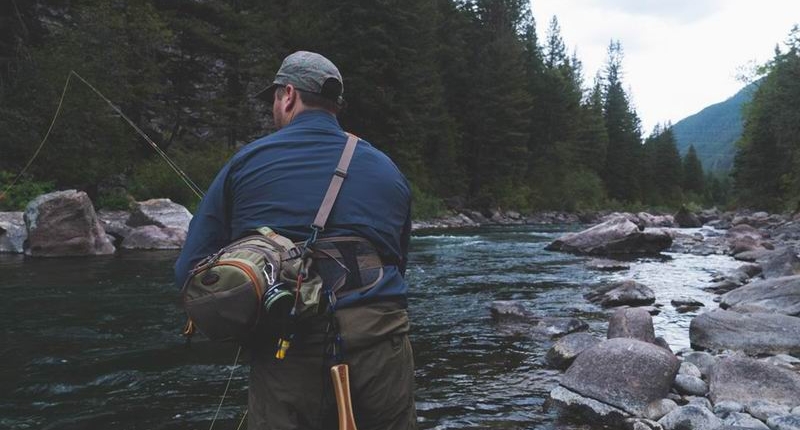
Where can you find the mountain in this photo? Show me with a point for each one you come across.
(714, 131)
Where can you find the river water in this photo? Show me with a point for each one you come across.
(94, 343)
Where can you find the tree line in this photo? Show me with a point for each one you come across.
(461, 94)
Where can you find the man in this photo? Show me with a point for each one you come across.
(279, 181)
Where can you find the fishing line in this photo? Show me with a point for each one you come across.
(225, 393)
(184, 177)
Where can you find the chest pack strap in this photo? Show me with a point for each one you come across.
(336, 183)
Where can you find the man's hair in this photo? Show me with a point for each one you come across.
(312, 100)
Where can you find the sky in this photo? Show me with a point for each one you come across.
(679, 55)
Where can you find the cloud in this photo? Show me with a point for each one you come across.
(678, 11)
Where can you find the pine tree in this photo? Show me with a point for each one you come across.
(693, 178)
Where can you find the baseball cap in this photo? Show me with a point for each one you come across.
(307, 71)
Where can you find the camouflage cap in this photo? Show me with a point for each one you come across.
(307, 71)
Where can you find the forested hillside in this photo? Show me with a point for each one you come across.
(714, 131)
(473, 107)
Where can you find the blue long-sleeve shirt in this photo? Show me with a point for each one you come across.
(279, 181)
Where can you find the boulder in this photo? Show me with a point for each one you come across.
(625, 373)
(628, 292)
(780, 295)
(703, 360)
(691, 385)
(558, 326)
(161, 213)
(686, 219)
(744, 421)
(690, 369)
(576, 405)
(753, 333)
(632, 323)
(763, 409)
(115, 223)
(641, 424)
(747, 381)
(153, 237)
(656, 409)
(726, 407)
(12, 233)
(64, 224)
(690, 417)
(563, 352)
(509, 309)
(649, 220)
(780, 262)
(613, 237)
(785, 422)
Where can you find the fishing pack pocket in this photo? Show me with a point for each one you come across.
(251, 283)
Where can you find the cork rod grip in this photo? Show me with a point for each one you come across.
(341, 386)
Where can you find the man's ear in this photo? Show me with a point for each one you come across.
(292, 94)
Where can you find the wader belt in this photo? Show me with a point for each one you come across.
(347, 264)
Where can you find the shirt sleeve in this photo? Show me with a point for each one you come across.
(209, 229)
(405, 239)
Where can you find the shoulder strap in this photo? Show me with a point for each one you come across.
(336, 183)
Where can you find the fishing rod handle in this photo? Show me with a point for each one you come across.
(340, 374)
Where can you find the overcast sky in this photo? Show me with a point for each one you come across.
(679, 55)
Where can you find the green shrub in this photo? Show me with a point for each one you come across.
(25, 190)
(424, 205)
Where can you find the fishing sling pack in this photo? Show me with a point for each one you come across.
(260, 278)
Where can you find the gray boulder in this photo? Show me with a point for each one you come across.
(161, 213)
(12, 233)
(726, 407)
(624, 373)
(763, 409)
(153, 237)
(742, 420)
(690, 369)
(563, 352)
(632, 323)
(752, 333)
(616, 236)
(686, 219)
(781, 295)
(780, 262)
(690, 417)
(656, 409)
(748, 381)
(785, 422)
(704, 361)
(628, 292)
(510, 310)
(64, 224)
(115, 223)
(691, 385)
(558, 326)
(576, 405)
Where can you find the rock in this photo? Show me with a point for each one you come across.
(754, 255)
(725, 407)
(624, 373)
(746, 380)
(699, 401)
(686, 304)
(785, 422)
(631, 323)
(613, 237)
(722, 287)
(686, 219)
(749, 270)
(641, 424)
(656, 409)
(12, 233)
(763, 410)
(558, 326)
(660, 341)
(607, 265)
(783, 360)
(161, 213)
(690, 417)
(629, 293)
(564, 351)
(153, 237)
(796, 411)
(742, 420)
(743, 230)
(752, 333)
(64, 224)
(778, 263)
(649, 220)
(703, 360)
(509, 309)
(574, 404)
(781, 295)
(115, 223)
(689, 369)
(708, 215)
(692, 385)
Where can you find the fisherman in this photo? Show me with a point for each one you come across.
(279, 181)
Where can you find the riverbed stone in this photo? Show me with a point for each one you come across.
(785, 422)
(12, 233)
(686, 219)
(622, 372)
(763, 409)
(656, 409)
(613, 237)
(780, 262)
(781, 295)
(160, 212)
(690, 417)
(752, 333)
(509, 309)
(626, 292)
(64, 224)
(748, 381)
(699, 401)
(689, 369)
(606, 265)
(564, 351)
(743, 420)
(558, 326)
(725, 407)
(115, 223)
(632, 323)
(641, 424)
(703, 360)
(154, 237)
(574, 404)
(692, 385)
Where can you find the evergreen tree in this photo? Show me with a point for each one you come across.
(693, 179)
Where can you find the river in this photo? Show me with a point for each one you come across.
(95, 343)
